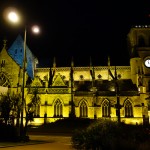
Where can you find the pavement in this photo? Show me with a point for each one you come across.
(31, 142)
(38, 139)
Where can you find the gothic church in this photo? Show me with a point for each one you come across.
(112, 92)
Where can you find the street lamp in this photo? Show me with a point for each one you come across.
(118, 106)
(13, 17)
(36, 30)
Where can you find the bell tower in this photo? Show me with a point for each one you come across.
(138, 40)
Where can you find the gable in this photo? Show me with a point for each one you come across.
(16, 51)
(37, 82)
(58, 81)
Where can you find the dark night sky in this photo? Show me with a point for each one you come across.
(77, 28)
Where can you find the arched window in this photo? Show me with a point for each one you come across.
(106, 109)
(58, 109)
(83, 109)
(128, 109)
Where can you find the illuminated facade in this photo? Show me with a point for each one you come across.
(112, 92)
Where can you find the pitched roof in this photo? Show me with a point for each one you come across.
(16, 51)
(105, 87)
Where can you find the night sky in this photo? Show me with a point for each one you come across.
(76, 28)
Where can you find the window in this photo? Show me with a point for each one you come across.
(128, 109)
(58, 109)
(3, 63)
(106, 109)
(81, 77)
(83, 109)
(99, 76)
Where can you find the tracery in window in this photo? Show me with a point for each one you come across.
(128, 109)
(58, 109)
(106, 108)
(83, 110)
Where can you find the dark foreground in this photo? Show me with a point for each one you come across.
(39, 142)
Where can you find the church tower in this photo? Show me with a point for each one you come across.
(139, 49)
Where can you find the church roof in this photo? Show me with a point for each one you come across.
(105, 87)
(16, 51)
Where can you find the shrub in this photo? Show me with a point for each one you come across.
(109, 135)
(62, 126)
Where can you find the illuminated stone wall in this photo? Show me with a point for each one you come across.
(124, 71)
(60, 90)
(9, 68)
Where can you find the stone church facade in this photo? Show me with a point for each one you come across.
(112, 92)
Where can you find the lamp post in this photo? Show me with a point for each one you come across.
(118, 106)
(23, 84)
(36, 30)
(14, 18)
(118, 102)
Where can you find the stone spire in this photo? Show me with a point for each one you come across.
(54, 62)
(4, 43)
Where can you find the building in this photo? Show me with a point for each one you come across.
(112, 92)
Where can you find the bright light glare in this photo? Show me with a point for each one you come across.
(13, 17)
(36, 29)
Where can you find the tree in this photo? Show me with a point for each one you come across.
(10, 107)
(6, 105)
(30, 109)
(16, 109)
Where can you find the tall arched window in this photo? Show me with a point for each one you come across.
(106, 109)
(58, 109)
(128, 109)
(83, 109)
